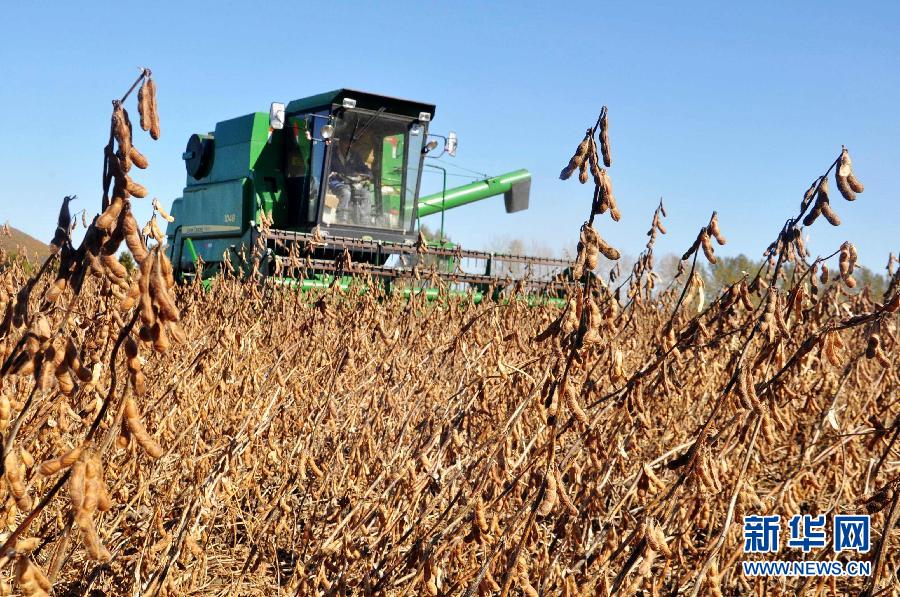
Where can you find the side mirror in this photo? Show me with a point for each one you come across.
(276, 116)
(450, 144)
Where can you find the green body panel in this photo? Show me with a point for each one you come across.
(470, 193)
(241, 147)
(214, 216)
(215, 209)
(245, 173)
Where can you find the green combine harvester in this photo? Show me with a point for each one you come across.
(294, 192)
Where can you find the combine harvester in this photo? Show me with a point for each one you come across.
(328, 187)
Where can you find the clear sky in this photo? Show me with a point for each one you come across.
(733, 106)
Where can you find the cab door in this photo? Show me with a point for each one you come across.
(304, 162)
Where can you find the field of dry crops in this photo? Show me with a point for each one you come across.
(253, 440)
(368, 444)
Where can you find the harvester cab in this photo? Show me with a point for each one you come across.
(354, 166)
(342, 169)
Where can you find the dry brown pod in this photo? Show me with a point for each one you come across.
(14, 480)
(592, 322)
(160, 291)
(162, 212)
(155, 231)
(693, 249)
(747, 393)
(5, 413)
(580, 156)
(109, 217)
(892, 305)
(144, 334)
(132, 296)
(92, 469)
(144, 108)
(137, 429)
(847, 263)
(168, 271)
(135, 189)
(71, 357)
(578, 268)
(138, 383)
(121, 129)
(813, 215)
(657, 222)
(91, 538)
(104, 500)
(550, 498)
(608, 250)
(154, 110)
(583, 172)
(31, 579)
(872, 346)
(113, 266)
(138, 159)
(844, 187)
(160, 337)
(572, 403)
(51, 467)
(847, 182)
(594, 165)
(830, 214)
(707, 246)
(131, 355)
(844, 262)
(76, 485)
(822, 202)
(591, 257)
(64, 380)
(608, 196)
(657, 540)
(604, 138)
(55, 290)
(120, 187)
(43, 372)
(23, 364)
(810, 193)
(92, 495)
(147, 313)
(134, 241)
(882, 359)
(714, 230)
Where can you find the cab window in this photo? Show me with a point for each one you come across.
(373, 170)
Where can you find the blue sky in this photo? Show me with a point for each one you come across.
(727, 106)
